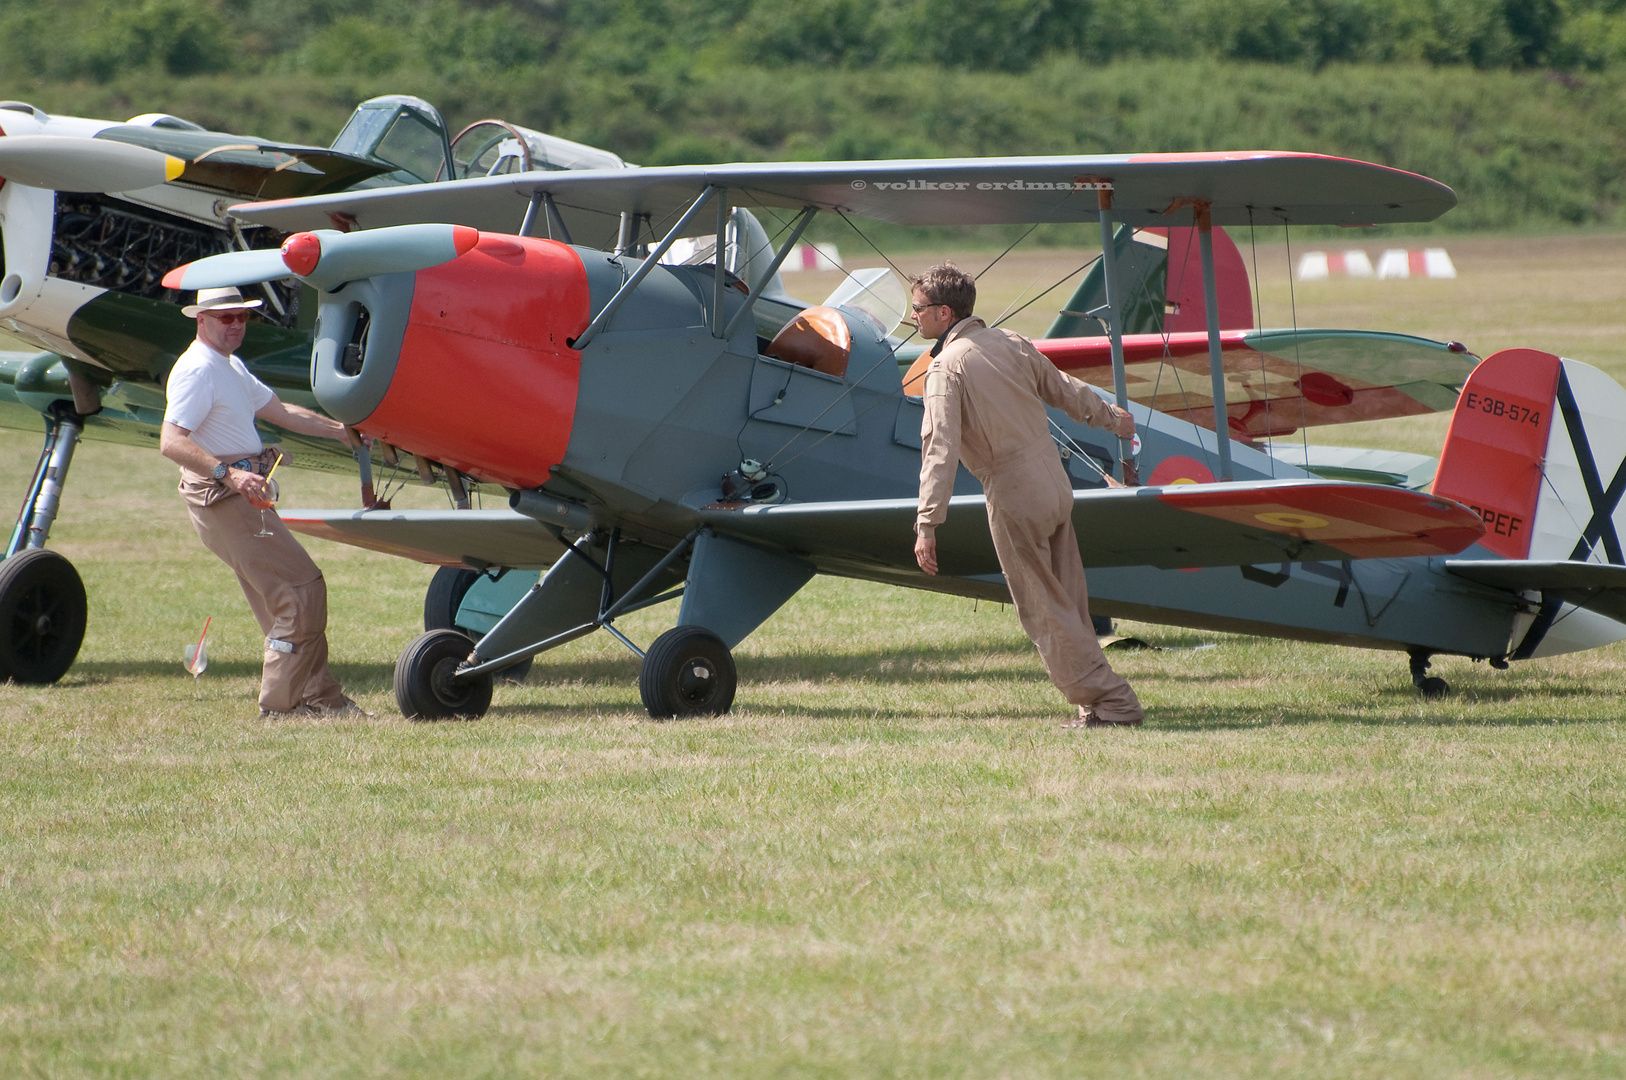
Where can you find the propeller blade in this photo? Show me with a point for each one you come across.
(232, 268)
(73, 163)
(328, 258)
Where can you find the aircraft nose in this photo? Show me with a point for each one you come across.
(466, 363)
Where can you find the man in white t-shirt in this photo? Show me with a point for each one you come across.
(209, 432)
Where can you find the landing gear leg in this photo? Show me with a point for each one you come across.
(1432, 686)
(42, 600)
(440, 605)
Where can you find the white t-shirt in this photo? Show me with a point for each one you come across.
(215, 398)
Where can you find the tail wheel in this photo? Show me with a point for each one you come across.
(687, 671)
(42, 616)
(424, 687)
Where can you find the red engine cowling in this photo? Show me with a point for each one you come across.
(485, 381)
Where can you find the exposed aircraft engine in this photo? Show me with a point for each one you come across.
(110, 244)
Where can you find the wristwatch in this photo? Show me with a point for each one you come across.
(219, 471)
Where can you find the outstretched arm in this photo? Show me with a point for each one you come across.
(1077, 399)
(299, 419)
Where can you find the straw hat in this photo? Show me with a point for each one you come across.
(227, 299)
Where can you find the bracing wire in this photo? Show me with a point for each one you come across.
(1008, 314)
(861, 235)
(1259, 323)
(1298, 361)
(1067, 441)
(1008, 249)
(1179, 382)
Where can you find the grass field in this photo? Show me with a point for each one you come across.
(887, 861)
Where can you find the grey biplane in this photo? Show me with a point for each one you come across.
(665, 433)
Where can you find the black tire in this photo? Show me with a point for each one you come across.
(1102, 624)
(687, 672)
(445, 595)
(424, 689)
(42, 616)
(1434, 688)
(440, 604)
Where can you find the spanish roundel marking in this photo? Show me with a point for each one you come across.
(1180, 470)
(1292, 521)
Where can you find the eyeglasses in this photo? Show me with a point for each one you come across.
(918, 308)
(238, 316)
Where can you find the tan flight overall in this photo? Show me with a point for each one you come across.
(985, 396)
(283, 587)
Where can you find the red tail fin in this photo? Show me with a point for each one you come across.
(1496, 449)
(1185, 309)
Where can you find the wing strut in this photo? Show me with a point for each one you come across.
(802, 222)
(1115, 333)
(1200, 210)
(528, 226)
(651, 261)
(720, 278)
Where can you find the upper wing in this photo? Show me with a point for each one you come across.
(1280, 380)
(1254, 187)
(1233, 524)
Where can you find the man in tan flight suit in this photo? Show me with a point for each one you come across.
(985, 396)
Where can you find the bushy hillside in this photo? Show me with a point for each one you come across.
(1516, 103)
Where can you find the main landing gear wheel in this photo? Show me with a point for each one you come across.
(441, 602)
(1432, 687)
(424, 688)
(42, 616)
(445, 595)
(688, 671)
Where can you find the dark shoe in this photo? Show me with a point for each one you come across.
(298, 712)
(348, 709)
(1087, 718)
(1095, 721)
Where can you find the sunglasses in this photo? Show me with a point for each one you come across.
(918, 308)
(228, 316)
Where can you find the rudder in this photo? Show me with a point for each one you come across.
(1536, 447)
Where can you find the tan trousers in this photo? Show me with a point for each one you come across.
(284, 588)
(1030, 508)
